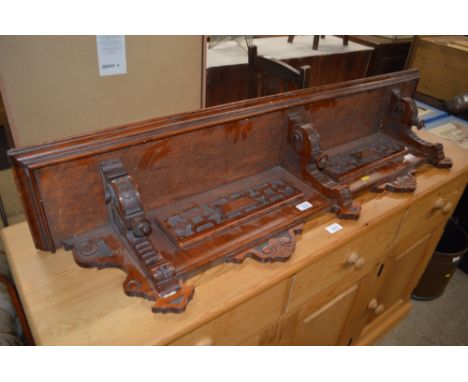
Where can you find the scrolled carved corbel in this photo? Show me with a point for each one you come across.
(402, 117)
(126, 243)
(122, 198)
(406, 110)
(278, 248)
(306, 141)
(403, 183)
(345, 208)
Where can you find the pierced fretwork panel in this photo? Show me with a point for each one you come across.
(188, 224)
(369, 153)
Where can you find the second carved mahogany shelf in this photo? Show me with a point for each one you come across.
(167, 198)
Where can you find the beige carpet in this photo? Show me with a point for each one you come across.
(443, 321)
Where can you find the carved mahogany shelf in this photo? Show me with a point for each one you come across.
(258, 217)
(167, 198)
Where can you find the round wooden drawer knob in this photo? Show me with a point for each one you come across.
(373, 304)
(356, 260)
(439, 204)
(447, 208)
(379, 309)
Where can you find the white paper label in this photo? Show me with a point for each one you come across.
(408, 157)
(112, 58)
(304, 206)
(333, 228)
(455, 259)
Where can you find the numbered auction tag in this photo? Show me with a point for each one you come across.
(333, 228)
(304, 206)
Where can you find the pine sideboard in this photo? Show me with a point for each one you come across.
(344, 288)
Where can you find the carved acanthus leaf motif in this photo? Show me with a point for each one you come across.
(278, 248)
(403, 183)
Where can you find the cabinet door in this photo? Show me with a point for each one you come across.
(324, 325)
(397, 273)
(396, 278)
(318, 323)
(400, 273)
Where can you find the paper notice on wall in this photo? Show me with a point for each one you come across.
(112, 58)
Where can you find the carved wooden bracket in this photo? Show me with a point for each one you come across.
(278, 248)
(404, 183)
(306, 141)
(149, 273)
(313, 161)
(382, 160)
(403, 115)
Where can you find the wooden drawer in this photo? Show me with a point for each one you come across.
(241, 323)
(430, 211)
(334, 267)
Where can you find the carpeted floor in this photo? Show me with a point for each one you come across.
(443, 321)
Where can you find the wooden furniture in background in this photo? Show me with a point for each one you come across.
(268, 76)
(350, 287)
(443, 64)
(389, 54)
(317, 38)
(228, 81)
(164, 209)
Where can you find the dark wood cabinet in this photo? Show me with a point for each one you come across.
(389, 55)
(229, 83)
